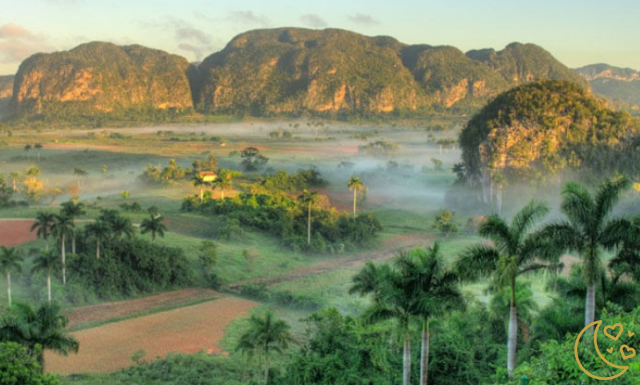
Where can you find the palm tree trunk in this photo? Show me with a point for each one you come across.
(9, 287)
(222, 194)
(354, 201)
(406, 361)
(64, 266)
(201, 195)
(97, 248)
(590, 306)
(499, 199)
(49, 287)
(513, 340)
(266, 369)
(153, 237)
(309, 227)
(424, 354)
(73, 243)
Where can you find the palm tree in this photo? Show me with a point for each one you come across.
(198, 181)
(100, 230)
(46, 261)
(308, 199)
(153, 225)
(38, 146)
(392, 299)
(513, 253)
(356, 185)
(73, 210)
(224, 180)
(14, 175)
(27, 148)
(590, 229)
(62, 227)
(121, 226)
(43, 326)
(434, 289)
(265, 335)
(10, 260)
(43, 224)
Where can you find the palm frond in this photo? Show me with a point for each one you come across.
(526, 218)
(476, 261)
(608, 195)
(577, 204)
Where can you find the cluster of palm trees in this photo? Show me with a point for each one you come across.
(109, 227)
(416, 286)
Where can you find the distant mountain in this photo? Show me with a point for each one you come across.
(284, 71)
(101, 78)
(621, 85)
(6, 91)
(292, 70)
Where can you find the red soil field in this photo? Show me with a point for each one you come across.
(14, 232)
(188, 330)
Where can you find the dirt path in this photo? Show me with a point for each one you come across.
(387, 250)
(96, 314)
(189, 329)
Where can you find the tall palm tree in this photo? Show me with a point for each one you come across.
(198, 181)
(356, 185)
(265, 335)
(308, 199)
(392, 299)
(27, 148)
(100, 230)
(38, 146)
(14, 175)
(154, 226)
(46, 261)
(62, 228)
(121, 226)
(513, 253)
(44, 326)
(224, 180)
(73, 210)
(43, 224)
(10, 260)
(589, 229)
(435, 291)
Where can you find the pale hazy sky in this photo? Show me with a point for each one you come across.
(577, 32)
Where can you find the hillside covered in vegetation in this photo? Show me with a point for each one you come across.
(100, 78)
(275, 72)
(537, 130)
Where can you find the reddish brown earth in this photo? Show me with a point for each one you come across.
(187, 330)
(15, 232)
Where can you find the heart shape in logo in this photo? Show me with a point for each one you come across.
(631, 334)
(625, 347)
(615, 326)
(610, 350)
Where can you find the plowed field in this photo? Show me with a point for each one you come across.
(189, 329)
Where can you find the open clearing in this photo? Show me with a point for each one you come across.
(188, 330)
(15, 232)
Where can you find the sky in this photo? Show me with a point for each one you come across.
(576, 32)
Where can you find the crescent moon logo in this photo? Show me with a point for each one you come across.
(597, 325)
